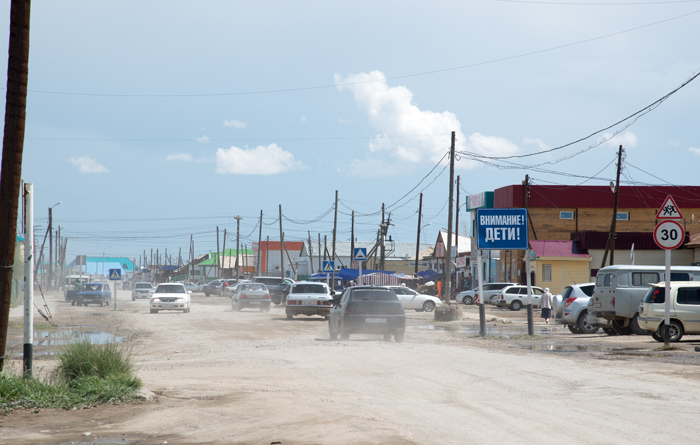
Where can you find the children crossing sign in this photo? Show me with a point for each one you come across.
(502, 229)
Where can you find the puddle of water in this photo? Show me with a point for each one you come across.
(496, 331)
(583, 348)
(556, 348)
(62, 337)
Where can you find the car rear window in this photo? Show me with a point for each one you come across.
(309, 289)
(655, 295)
(373, 295)
(143, 286)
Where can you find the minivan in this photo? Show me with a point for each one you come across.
(684, 313)
(619, 290)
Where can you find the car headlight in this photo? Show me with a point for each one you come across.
(155, 300)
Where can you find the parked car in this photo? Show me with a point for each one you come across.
(309, 298)
(411, 299)
(214, 287)
(190, 286)
(94, 293)
(367, 310)
(250, 295)
(279, 293)
(684, 310)
(515, 297)
(228, 286)
(141, 289)
(572, 310)
(170, 296)
(490, 289)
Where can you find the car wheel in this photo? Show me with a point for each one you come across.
(102, 303)
(610, 331)
(233, 305)
(429, 306)
(343, 334)
(399, 336)
(206, 294)
(657, 335)
(620, 329)
(634, 325)
(238, 307)
(516, 305)
(72, 303)
(467, 300)
(290, 315)
(584, 326)
(133, 298)
(675, 331)
(387, 336)
(154, 311)
(327, 317)
(332, 335)
(573, 329)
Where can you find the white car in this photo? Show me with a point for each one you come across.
(141, 290)
(571, 309)
(490, 290)
(411, 299)
(250, 295)
(309, 298)
(515, 297)
(170, 297)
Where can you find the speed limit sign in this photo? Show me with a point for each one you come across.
(669, 234)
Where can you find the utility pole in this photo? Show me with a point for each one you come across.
(382, 228)
(257, 262)
(218, 258)
(49, 283)
(28, 348)
(352, 238)
(238, 234)
(311, 253)
(281, 246)
(12, 148)
(448, 251)
(223, 256)
(320, 269)
(611, 236)
(335, 226)
(420, 211)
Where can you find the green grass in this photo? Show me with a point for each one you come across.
(87, 375)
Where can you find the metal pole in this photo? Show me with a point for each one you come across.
(667, 298)
(28, 355)
(238, 245)
(530, 321)
(482, 308)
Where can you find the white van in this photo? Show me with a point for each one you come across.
(620, 289)
(684, 314)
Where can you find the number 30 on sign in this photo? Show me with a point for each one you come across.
(669, 234)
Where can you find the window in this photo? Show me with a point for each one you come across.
(623, 216)
(688, 295)
(567, 214)
(644, 278)
(546, 272)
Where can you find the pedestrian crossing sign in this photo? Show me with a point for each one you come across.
(115, 274)
(329, 266)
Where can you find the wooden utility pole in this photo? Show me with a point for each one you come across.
(382, 229)
(420, 211)
(335, 227)
(238, 245)
(448, 250)
(12, 149)
(218, 258)
(257, 262)
(281, 246)
(311, 253)
(610, 246)
(352, 238)
(320, 269)
(223, 257)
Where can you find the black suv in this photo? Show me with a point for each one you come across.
(367, 310)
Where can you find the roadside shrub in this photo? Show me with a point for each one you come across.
(83, 359)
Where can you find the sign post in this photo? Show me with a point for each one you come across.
(669, 235)
(502, 229)
(115, 275)
(360, 255)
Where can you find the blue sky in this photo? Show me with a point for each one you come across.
(154, 120)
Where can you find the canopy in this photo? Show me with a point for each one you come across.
(350, 274)
(430, 274)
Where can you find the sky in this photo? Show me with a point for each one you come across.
(153, 122)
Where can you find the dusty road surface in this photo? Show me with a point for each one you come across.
(215, 376)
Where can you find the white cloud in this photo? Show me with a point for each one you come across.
(694, 150)
(535, 141)
(184, 157)
(203, 139)
(235, 124)
(261, 160)
(409, 133)
(303, 119)
(87, 164)
(626, 139)
(344, 121)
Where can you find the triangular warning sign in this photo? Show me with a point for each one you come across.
(669, 210)
(115, 275)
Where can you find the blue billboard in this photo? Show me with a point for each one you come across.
(502, 229)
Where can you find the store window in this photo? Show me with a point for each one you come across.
(546, 272)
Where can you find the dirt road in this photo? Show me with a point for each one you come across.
(221, 377)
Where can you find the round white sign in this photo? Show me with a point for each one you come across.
(669, 234)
